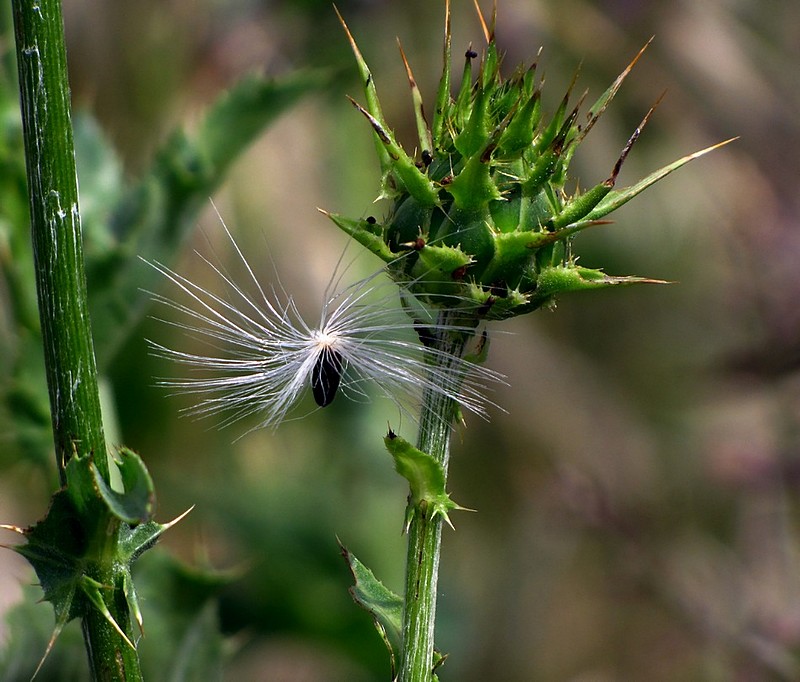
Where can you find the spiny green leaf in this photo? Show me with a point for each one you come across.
(473, 188)
(563, 279)
(425, 476)
(358, 230)
(442, 112)
(56, 555)
(496, 307)
(548, 135)
(55, 548)
(89, 491)
(95, 593)
(581, 205)
(129, 590)
(597, 109)
(443, 259)
(135, 504)
(438, 267)
(385, 607)
(617, 198)
(513, 249)
(134, 541)
(463, 103)
(542, 170)
(371, 94)
(61, 547)
(423, 133)
(413, 180)
(519, 133)
(81, 488)
(475, 134)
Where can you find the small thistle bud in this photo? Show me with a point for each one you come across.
(487, 207)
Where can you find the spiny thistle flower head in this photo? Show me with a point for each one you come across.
(482, 214)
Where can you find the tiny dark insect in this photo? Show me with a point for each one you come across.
(326, 376)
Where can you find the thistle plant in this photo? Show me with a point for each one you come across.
(479, 227)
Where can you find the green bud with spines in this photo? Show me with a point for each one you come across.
(482, 217)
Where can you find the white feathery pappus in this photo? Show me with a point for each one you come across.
(265, 355)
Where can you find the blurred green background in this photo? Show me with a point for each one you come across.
(637, 502)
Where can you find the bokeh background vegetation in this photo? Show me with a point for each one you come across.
(637, 502)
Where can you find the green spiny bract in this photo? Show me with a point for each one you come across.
(481, 219)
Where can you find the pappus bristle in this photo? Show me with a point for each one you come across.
(265, 356)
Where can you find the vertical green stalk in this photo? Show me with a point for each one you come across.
(61, 286)
(425, 533)
(55, 225)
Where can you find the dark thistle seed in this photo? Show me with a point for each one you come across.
(326, 376)
(427, 335)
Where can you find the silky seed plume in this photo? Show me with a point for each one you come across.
(264, 356)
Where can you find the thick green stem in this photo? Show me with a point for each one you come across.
(55, 225)
(424, 533)
(63, 311)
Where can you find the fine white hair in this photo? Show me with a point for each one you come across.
(263, 352)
